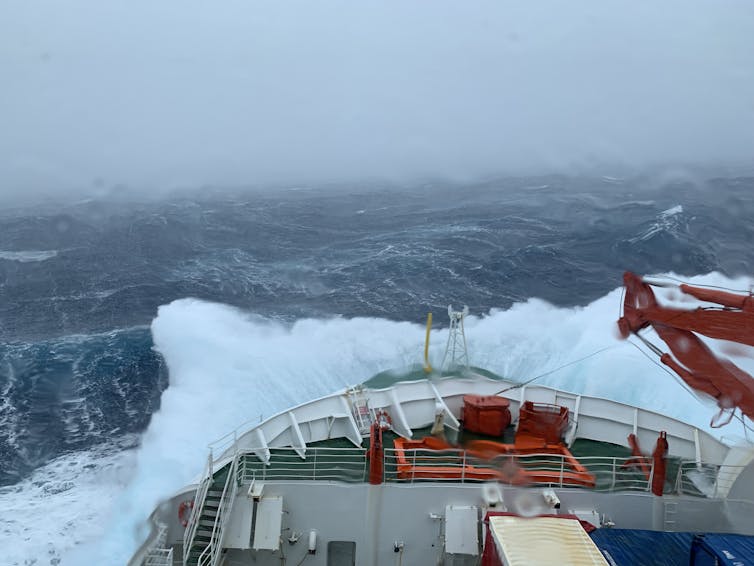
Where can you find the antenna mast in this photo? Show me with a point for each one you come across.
(456, 353)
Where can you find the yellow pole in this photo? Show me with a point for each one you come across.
(427, 366)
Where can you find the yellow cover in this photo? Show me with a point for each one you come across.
(543, 541)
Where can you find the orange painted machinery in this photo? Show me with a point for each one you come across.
(488, 414)
(541, 423)
(731, 318)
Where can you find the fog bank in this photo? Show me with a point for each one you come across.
(185, 93)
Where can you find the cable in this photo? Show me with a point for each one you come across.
(656, 350)
(683, 384)
(676, 377)
(663, 276)
(741, 418)
(528, 381)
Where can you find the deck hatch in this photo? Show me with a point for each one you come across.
(341, 553)
(461, 530)
(268, 524)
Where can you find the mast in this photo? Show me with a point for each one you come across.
(456, 352)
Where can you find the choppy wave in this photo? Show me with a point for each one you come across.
(294, 254)
(670, 222)
(67, 394)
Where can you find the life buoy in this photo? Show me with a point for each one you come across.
(184, 511)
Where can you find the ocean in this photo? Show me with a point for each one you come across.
(133, 332)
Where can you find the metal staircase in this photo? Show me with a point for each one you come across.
(203, 544)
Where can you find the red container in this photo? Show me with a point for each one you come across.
(486, 415)
(542, 421)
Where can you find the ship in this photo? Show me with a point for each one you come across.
(459, 466)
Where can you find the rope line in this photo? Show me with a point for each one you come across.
(675, 376)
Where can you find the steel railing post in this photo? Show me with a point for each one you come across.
(679, 479)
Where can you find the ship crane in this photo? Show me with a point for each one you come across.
(731, 319)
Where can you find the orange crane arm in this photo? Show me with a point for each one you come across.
(691, 359)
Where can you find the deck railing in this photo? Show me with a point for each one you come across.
(709, 480)
(609, 474)
(326, 464)
(156, 553)
(159, 557)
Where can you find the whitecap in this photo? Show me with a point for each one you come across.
(28, 256)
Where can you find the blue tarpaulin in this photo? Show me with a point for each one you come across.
(632, 547)
(722, 550)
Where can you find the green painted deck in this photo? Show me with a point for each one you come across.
(391, 377)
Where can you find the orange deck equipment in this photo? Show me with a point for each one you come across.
(488, 415)
(541, 422)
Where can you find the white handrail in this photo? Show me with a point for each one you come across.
(327, 464)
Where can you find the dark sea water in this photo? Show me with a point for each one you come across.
(81, 283)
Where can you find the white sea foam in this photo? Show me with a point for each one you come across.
(677, 209)
(227, 367)
(668, 221)
(65, 503)
(28, 256)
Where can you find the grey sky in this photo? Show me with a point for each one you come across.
(158, 94)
